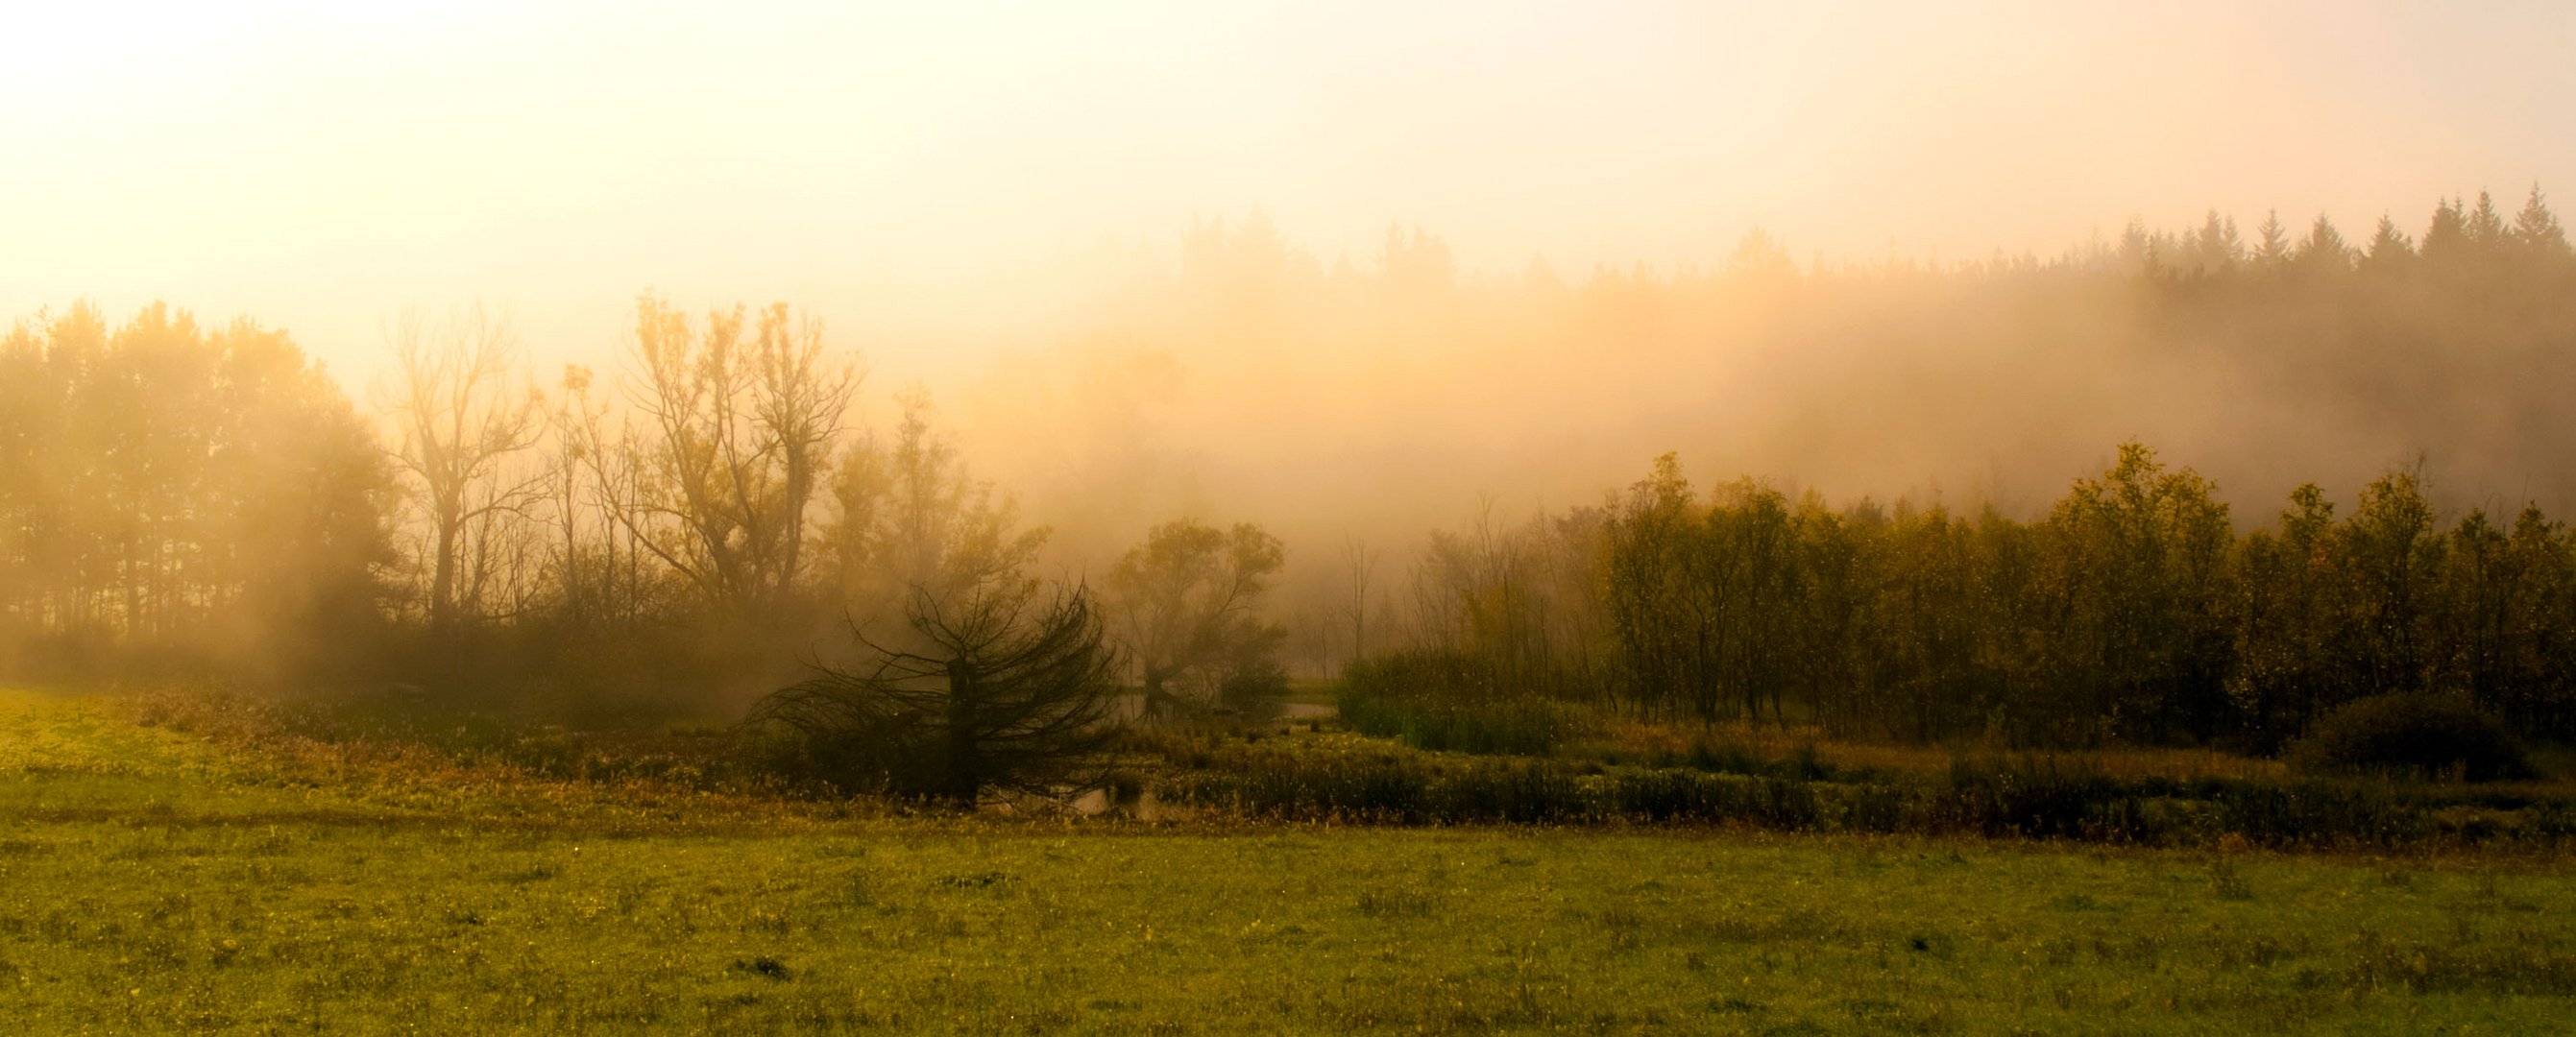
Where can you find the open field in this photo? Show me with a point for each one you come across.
(159, 882)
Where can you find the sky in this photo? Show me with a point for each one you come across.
(904, 171)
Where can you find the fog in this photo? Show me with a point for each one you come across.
(916, 177)
(1377, 398)
(1347, 274)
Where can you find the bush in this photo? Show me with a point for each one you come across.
(1506, 729)
(1349, 779)
(1005, 693)
(2416, 734)
(1254, 690)
(2038, 798)
(1450, 701)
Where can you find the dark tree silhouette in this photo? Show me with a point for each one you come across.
(1000, 693)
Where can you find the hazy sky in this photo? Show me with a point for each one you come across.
(320, 165)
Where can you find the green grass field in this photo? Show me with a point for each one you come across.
(158, 882)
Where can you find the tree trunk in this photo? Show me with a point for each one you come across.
(964, 783)
(442, 583)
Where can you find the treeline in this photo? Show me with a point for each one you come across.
(2132, 612)
(693, 535)
(170, 491)
(175, 495)
(1339, 396)
(2311, 353)
(2461, 243)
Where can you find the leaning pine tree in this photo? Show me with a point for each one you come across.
(1000, 693)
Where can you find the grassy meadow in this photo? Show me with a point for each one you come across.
(165, 881)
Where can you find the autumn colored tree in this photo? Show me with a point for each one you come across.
(736, 419)
(1188, 601)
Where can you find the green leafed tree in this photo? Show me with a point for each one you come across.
(2140, 563)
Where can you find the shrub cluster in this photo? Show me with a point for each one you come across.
(2029, 798)
(1445, 700)
(2424, 735)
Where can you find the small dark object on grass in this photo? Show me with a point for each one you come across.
(766, 968)
(2428, 735)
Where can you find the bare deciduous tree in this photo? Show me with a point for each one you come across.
(1360, 562)
(460, 422)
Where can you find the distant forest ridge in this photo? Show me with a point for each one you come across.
(204, 495)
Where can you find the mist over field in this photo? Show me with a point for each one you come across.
(1352, 277)
(1161, 517)
(1343, 271)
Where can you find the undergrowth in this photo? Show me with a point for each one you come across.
(1349, 779)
